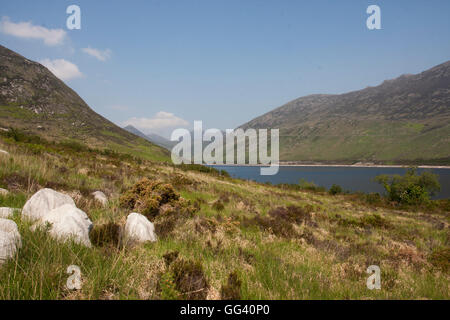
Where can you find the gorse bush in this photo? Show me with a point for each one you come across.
(410, 189)
(147, 196)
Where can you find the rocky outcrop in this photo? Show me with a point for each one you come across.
(44, 201)
(139, 229)
(10, 240)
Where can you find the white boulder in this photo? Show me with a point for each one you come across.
(6, 212)
(139, 229)
(44, 201)
(3, 192)
(100, 197)
(68, 222)
(10, 239)
(4, 152)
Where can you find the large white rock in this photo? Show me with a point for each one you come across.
(44, 201)
(6, 212)
(100, 197)
(4, 152)
(3, 192)
(139, 229)
(68, 222)
(10, 239)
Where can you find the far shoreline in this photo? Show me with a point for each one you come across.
(337, 165)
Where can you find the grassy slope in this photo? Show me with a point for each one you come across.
(377, 141)
(109, 137)
(323, 256)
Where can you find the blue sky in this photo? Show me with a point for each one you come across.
(168, 63)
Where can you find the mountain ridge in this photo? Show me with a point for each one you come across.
(406, 119)
(152, 137)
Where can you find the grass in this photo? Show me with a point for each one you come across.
(239, 239)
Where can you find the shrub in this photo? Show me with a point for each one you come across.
(335, 189)
(147, 196)
(105, 234)
(218, 205)
(232, 289)
(292, 214)
(170, 257)
(410, 189)
(305, 185)
(189, 279)
(375, 220)
(440, 258)
(167, 287)
(280, 227)
(372, 198)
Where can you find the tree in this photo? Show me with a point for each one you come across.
(412, 188)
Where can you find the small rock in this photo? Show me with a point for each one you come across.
(68, 222)
(44, 201)
(10, 239)
(84, 171)
(100, 197)
(139, 229)
(3, 192)
(4, 152)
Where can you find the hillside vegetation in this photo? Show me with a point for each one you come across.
(34, 100)
(218, 237)
(404, 120)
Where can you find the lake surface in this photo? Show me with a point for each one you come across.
(349, 178)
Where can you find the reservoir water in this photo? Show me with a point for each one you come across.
(349, 178)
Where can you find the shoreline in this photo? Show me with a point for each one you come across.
(335, 165)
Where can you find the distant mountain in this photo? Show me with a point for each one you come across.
(152, 137)
(405, 120)
(33, 99)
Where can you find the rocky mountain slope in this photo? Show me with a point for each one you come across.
(406, 119)
(33, 99)
(152, 137)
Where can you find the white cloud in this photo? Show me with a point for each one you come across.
(27, 30)
(159, 123)
(63, 69)
(101, 55)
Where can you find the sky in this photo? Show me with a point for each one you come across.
(160, 65)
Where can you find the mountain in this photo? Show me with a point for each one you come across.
(34, 100)
(152, 137)
(404, 120)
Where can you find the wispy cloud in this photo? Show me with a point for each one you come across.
(27, 30)
(63, 69)
(101, 55)
(160, 122)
